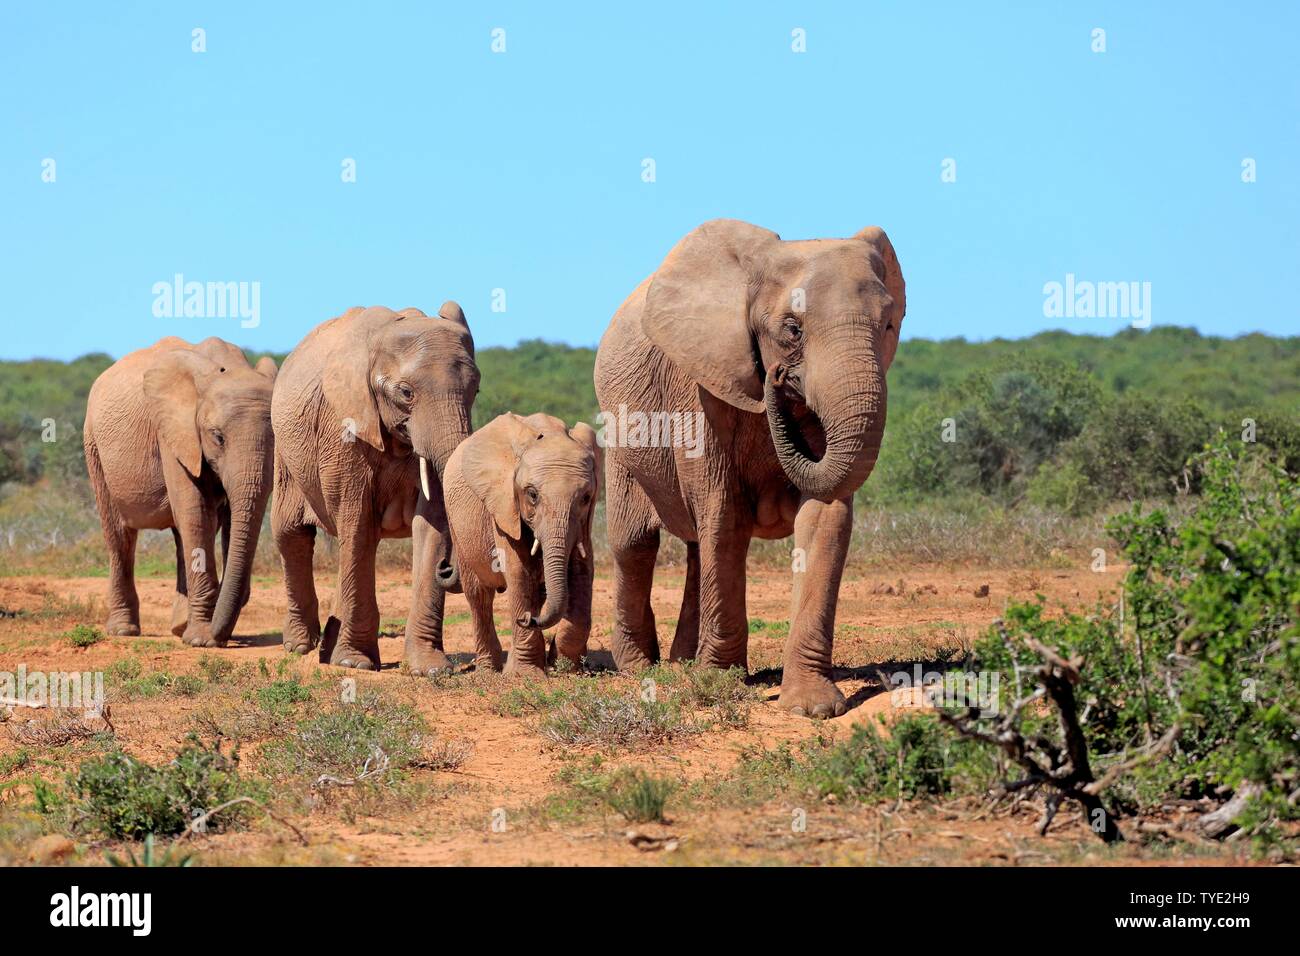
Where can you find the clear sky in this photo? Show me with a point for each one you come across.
(523, 170)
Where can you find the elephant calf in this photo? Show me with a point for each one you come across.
(367, 410)
(179, 436)
(520, 494)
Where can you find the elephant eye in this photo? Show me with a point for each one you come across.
(532, 495)
(793, 328)
(219, 438)
(406, 393)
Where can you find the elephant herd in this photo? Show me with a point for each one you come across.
(779, 348)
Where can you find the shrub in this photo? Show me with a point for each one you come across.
(638, 796)
(119, 796)
(371, 739)
(83, 635)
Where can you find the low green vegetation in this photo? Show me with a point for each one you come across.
(83, 635)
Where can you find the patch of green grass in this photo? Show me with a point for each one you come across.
(20, 759)
(638, 796)
(215, 669)
(593, 715)
(83, 635)
(279, 696)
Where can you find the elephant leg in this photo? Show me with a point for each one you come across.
(355, 606)
(686, 639)
(487, 646)
(723, 621)
(424, 654)
(633, 529)
(822, 533)
(527, 656)
(181, 600)
(123, 602)
(296, 543)
(575, 627)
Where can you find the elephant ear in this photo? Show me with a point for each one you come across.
(345, 380)
(489, 460)
(583, 434)
(886, 265)
(266, 368)
(171, 390)
(697, 309)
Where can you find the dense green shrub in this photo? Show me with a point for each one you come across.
(120, 796)
(1207, 647)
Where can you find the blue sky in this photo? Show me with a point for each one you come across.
(522, 170)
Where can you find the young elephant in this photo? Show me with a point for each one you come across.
(367, 410)
(179, 436)
(520, 495)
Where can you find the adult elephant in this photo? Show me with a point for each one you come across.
(366, 412)
(780, 350)
(179, 436)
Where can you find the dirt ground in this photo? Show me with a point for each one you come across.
(505, 803)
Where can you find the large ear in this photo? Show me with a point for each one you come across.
(266, 367)
(171, 390)
(489, 460)
(345, 380)
(697, 309)
(583, 434)
(887, 268)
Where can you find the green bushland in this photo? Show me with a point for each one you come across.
(1205, 648)
(1053, 433)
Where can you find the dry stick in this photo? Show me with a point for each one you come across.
(197, 824)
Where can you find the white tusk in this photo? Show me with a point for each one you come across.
(537, 543)
(424, 478)
(582, 552)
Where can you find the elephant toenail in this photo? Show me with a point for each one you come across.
(822, 711)
(798, 711)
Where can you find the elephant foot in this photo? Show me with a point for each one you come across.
(180, 614)
(298, 640)
(199, 634)
(339, 651)
(524, 671)
(812, 696)
(424, 660)
(631, 658)
(488, 662)
(122, 629)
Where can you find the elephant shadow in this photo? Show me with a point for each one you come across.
(268, 639)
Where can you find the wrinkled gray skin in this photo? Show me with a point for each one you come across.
(179, 436)
(783, 347)
(358, 404)
(520, 496)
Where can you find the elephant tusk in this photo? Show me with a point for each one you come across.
(582, 552)
(424, 478)
(537, 543)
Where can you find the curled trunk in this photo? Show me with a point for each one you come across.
(853, 421)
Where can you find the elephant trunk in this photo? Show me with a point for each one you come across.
(852, 417)
(247, 500)
(556, 548)
(448, 434)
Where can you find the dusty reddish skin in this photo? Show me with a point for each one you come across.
(516, 483)
(179, 436)
(783, 346)
(361, 399)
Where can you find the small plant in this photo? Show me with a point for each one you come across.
(638, 796)
(280, 696)
(215, 669)
(83, 635)
(372, 739)
(591, 715)
(169, 857)
(18, 760)
(122, 797)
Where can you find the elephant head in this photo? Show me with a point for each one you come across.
(218, 413)
(801, 331)
(538, 481)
